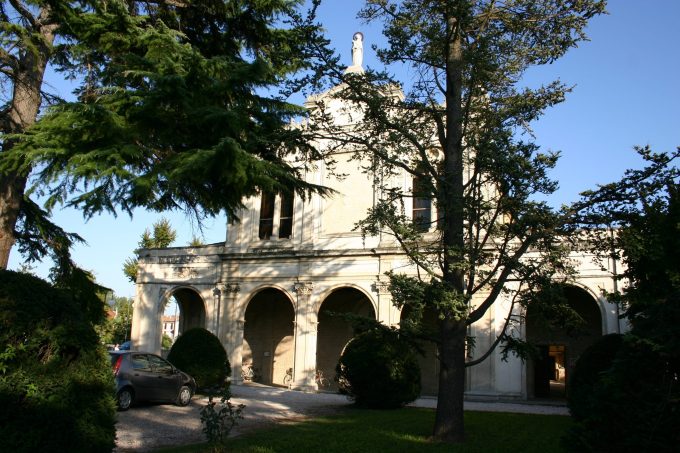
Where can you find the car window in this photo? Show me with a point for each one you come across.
(160, 365)
(140, 362)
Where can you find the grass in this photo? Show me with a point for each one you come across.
(404, 430)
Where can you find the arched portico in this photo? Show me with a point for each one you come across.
(559, 348)
(334, 332)
(268, 336)
(427, 356)
(191, 308)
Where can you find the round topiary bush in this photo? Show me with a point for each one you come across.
(200, 353)
(634, 405)
(56, 384)
(380, 370)
(588, 371)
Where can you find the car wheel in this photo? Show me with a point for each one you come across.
(124, 399)
(184, 396)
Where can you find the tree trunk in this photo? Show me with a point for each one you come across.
(22, 113)
(11, 193)
(449, 425)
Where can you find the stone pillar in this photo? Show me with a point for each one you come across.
(385, 307)
(213, 324)
(306, 322)
(230, 328)
(145, 335)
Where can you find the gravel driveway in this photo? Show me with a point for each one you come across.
(144, 428)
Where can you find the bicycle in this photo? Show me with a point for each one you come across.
(248, 374)
(321, 381)
(288, 378)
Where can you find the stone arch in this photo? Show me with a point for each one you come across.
(323, 296)
(333, 333)
(268, 335)
(428, 357)
(192, 311)
(243, 306)
(559, 348)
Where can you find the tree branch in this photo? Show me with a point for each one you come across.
(25, 13)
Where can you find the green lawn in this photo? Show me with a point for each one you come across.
(403, 430)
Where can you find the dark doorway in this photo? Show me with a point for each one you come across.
(549, 372)
(559, 348)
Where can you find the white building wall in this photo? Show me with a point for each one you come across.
(323, 254)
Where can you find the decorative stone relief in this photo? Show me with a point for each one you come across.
(184, 272)
(304, 288)
(181, 259)
(382, 287)
(232, 288)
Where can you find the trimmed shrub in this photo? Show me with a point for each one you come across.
(378, 369)
(56, 385)
(588, 371)
(200, 353)
(634, 406)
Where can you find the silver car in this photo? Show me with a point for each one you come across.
(142, 376)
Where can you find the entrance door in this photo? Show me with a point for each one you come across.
(549, 372)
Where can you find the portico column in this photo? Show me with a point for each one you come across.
(231, 329)
(385, 307)
(146, 318)
(305, 338)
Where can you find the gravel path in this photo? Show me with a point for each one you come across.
(144, 428)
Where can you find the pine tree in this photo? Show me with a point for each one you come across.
(163, 235)
(179, 107)
(634, 403)
(26, 42)
(460, 130)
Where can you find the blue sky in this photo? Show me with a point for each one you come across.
(627, 92)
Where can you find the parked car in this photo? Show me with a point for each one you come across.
(142, 376)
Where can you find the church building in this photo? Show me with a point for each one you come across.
(266, 292)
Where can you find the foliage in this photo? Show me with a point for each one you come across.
(460, 131)
(200, 353)
(407, 429)
(635, 403)
(588, 370)
(378, 369)
(130, 267)
(163, 236)
(180, 105)
(218, 422)
(56, 385)
(196, 242)
(117, 330)
(166, 341)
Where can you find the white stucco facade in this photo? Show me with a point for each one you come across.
(323, 261)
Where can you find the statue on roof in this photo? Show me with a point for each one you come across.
(357, 49)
